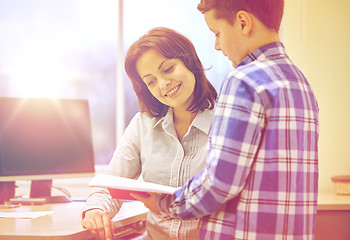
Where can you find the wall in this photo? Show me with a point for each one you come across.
(317, 37)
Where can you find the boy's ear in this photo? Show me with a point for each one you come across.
(245, 21)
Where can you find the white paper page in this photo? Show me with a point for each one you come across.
(26, 215)
(104, 180)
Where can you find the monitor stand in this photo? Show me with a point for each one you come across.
(40, 193)
(7, 191)
(42, 189)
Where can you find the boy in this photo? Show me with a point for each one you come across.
(261, 177)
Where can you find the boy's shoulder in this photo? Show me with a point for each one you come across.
(260, 75)
(265, 64)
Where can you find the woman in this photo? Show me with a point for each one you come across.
(165, 141)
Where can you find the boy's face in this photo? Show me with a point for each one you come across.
(229, 39)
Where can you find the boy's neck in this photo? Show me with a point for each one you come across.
(262, 36)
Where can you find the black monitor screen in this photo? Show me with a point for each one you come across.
(43, 137)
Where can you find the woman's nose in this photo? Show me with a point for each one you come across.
(164, 82)
(217, 46)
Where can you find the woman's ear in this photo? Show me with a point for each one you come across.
(245, 21)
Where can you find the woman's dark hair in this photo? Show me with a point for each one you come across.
(269, 12)
(169, 44)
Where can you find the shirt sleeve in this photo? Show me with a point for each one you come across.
(236, 133)
(124, 163)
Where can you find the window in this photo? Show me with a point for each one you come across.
(68, 49)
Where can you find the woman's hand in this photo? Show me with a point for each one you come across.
(98, 222)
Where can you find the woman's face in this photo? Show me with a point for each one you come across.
(168, 80)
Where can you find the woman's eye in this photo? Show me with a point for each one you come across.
(169, 69)
(150, 83)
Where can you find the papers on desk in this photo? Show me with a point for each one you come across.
(25, 215)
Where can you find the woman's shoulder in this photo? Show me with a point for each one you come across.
(207, 113)
(204, 119)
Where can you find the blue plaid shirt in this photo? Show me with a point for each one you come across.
(261, 176)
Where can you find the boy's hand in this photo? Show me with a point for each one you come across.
(150, 200)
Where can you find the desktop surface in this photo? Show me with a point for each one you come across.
(64, 223)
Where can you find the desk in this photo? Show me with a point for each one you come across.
(332, 220)
(64, 224)
(333, 217)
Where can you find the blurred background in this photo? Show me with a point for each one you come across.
(69, 49)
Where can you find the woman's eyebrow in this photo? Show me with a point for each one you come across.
(146, 76)
(161, 64)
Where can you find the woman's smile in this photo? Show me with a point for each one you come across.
(172, 92)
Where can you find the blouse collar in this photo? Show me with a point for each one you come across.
(202, 121)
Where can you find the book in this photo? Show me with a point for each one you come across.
(120, 187)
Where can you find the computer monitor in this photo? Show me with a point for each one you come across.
(42, 139)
